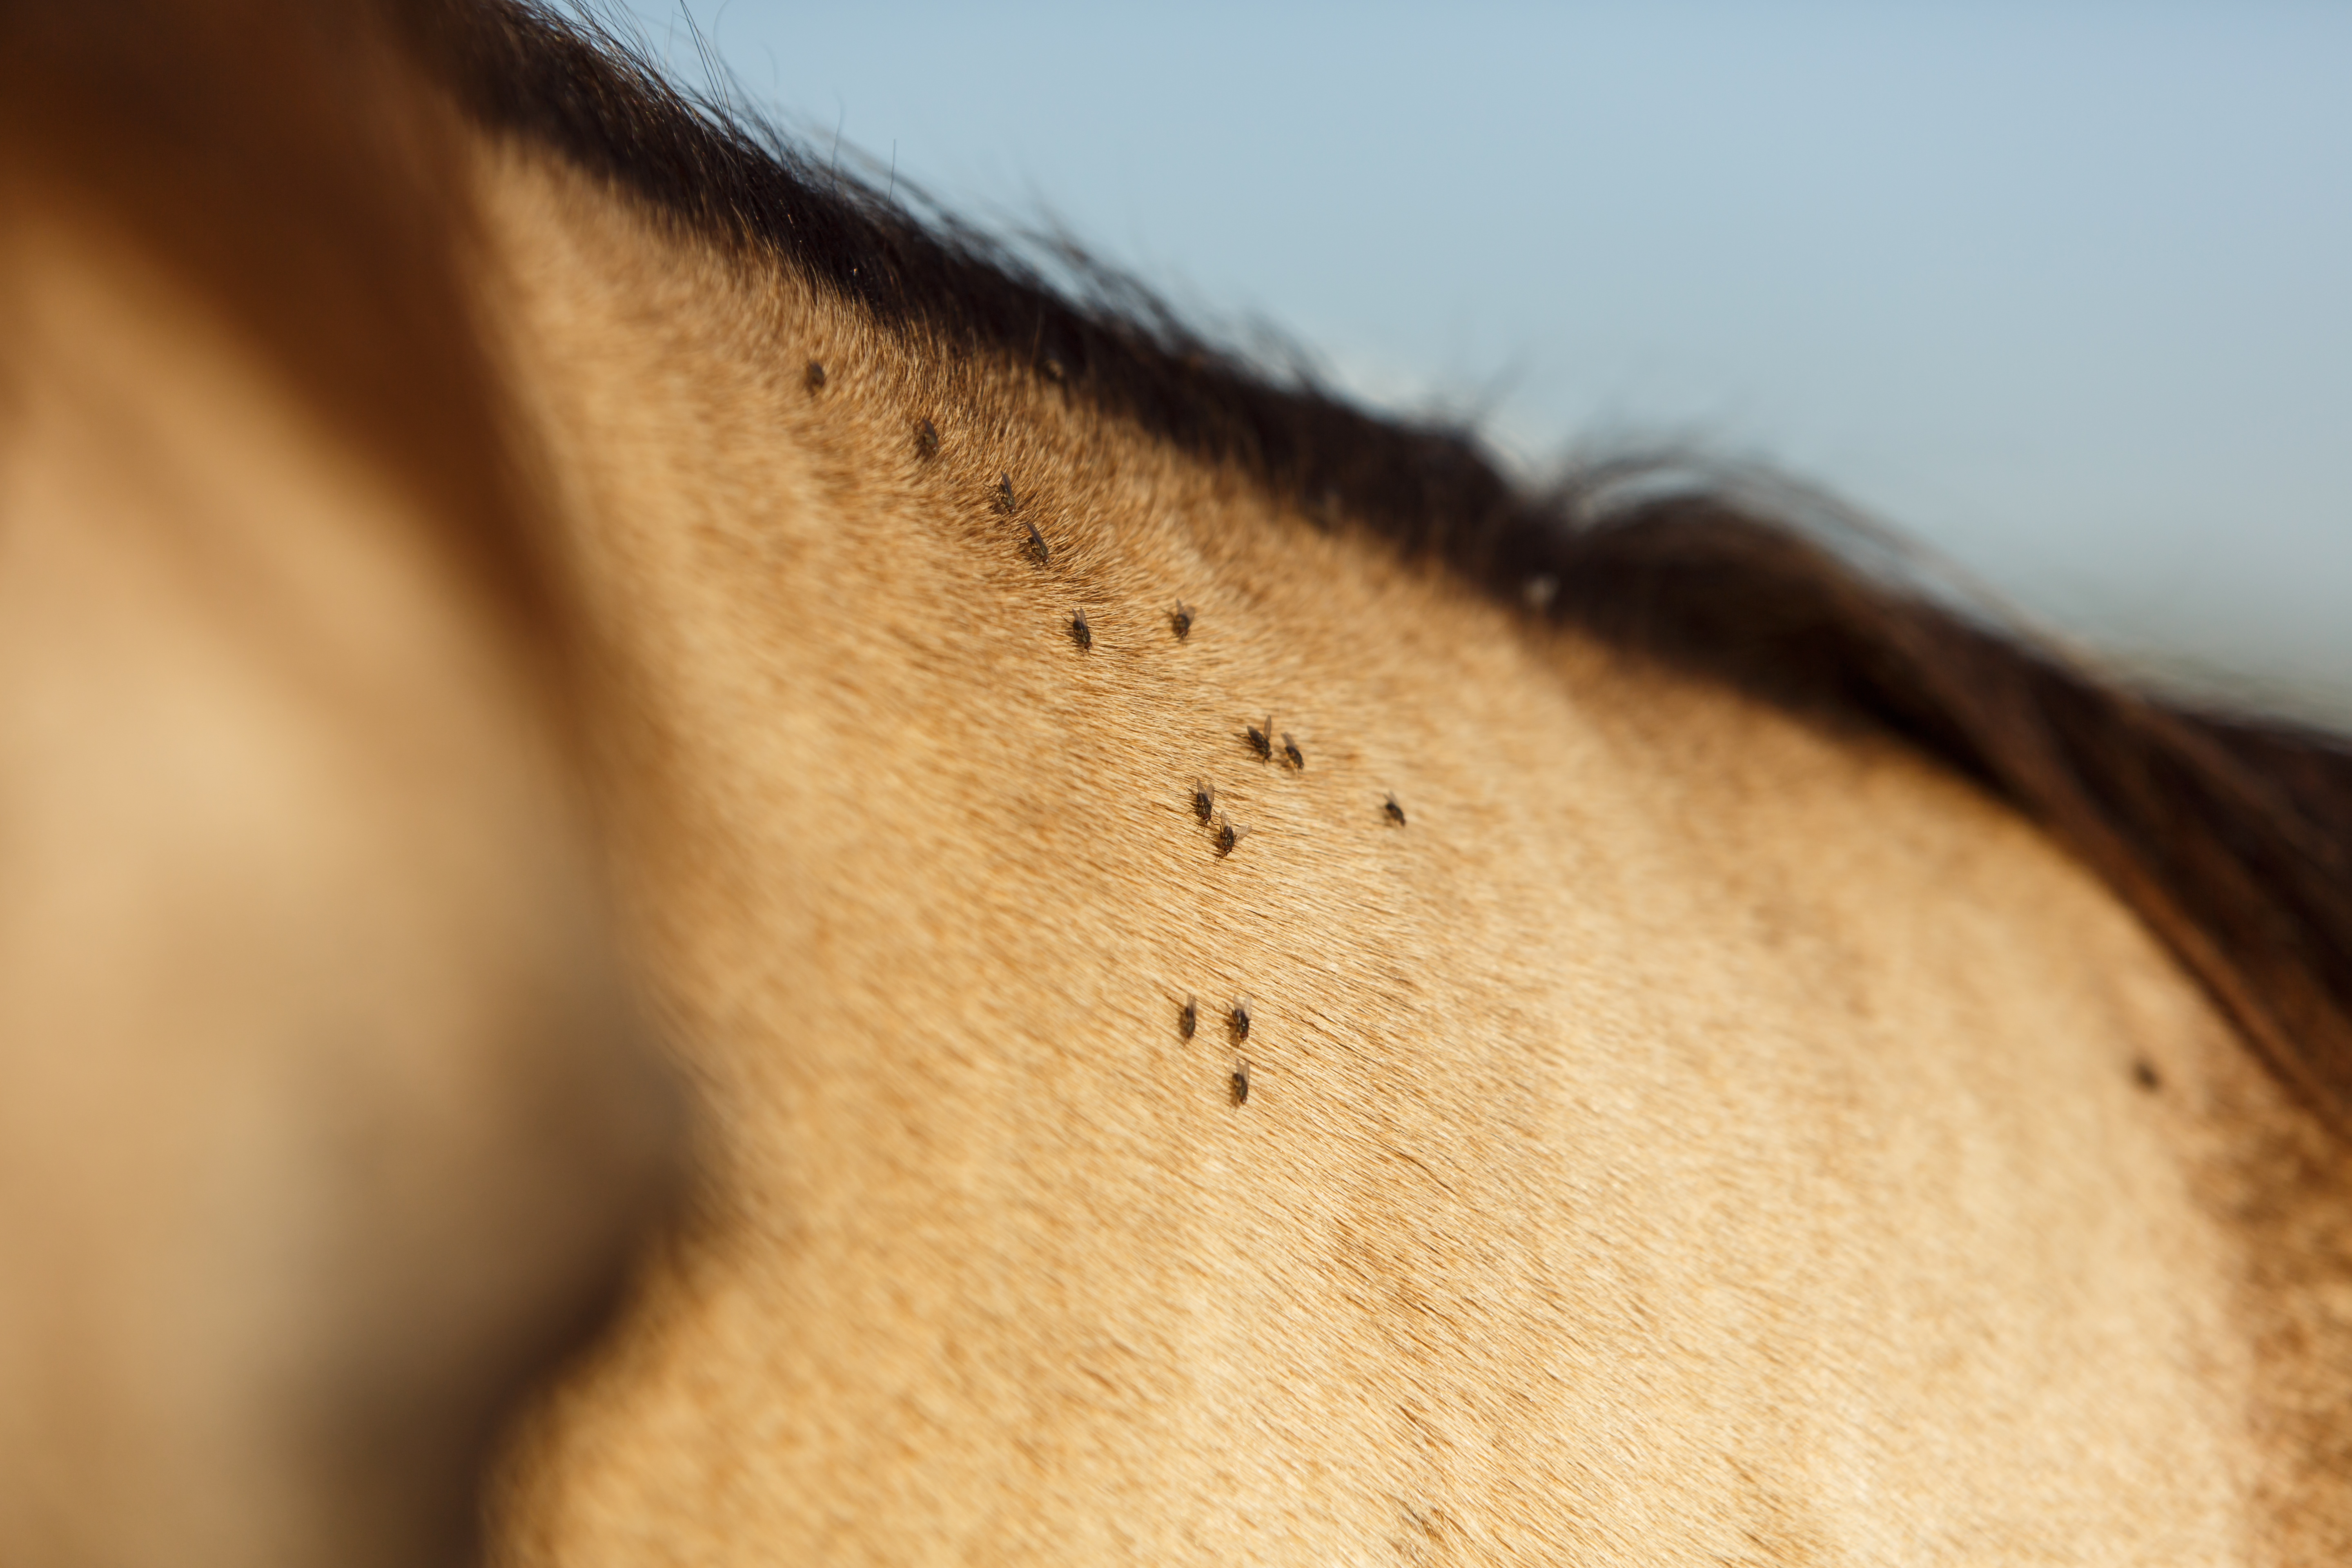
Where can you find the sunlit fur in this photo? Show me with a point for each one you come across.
(1693, 1137)
(1540, 1100)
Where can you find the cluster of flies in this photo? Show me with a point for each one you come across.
(1260, 737)
(1237, 1024)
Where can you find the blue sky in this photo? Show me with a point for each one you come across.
(2064, 289)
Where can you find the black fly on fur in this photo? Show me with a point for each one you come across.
(1034, 546)
(1226, 837)
(1080, 633)
(1006, 500)
(1241, 1084)
(1238, 1020)
(1296, 758)
(927, 441)
(1205, 800)
(1262, 741)
(814, 376)
(1395, 812)
(1190, 1018)
(1181, 620)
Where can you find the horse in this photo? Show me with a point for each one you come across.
(696, 873)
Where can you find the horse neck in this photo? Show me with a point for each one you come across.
(1676, 1091)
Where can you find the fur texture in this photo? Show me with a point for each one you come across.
(1696, 1134)
(2232, 836)
(1256, 992)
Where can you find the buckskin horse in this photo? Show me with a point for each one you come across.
(1068, 951)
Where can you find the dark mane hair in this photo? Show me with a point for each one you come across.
(2232, 836)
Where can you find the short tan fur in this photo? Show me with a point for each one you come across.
(1693, 1137)
(1548, 1104)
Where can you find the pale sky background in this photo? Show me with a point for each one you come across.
(2063, 290)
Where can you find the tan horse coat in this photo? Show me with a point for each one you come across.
(1682, 1132)
(1691, 1136)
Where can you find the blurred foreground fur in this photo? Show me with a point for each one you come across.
(444, 478)
(323, 1122)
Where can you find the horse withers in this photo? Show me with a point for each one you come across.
(1252, 992)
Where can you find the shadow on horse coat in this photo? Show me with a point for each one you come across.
(1819, 1078)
